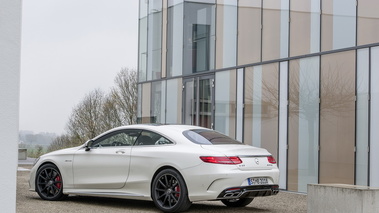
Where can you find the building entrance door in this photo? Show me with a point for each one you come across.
(198, 101)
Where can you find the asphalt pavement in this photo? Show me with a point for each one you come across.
(29, 202)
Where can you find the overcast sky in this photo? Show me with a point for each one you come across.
(69, 48)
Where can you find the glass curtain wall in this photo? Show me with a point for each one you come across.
(275, 29)
(158, 102)
(337, 118)
(249, 31)
(261, 107)
(226, 43)
(142, 46)
(174, 43)
(154, 40)
(304, 27)
(174, 101)
(199, 36)
(368, 22)
(362, 123)
(338, 23)
(225, 102)
(303, 123)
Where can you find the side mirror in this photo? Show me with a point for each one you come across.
(88, 145)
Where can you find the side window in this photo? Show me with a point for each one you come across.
(151, 138)
(119, 138)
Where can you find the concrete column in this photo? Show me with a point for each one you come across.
(10, 51)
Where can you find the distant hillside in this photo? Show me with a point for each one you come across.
(30, 139)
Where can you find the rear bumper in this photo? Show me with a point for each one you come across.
(249, 191)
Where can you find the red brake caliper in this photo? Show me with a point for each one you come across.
(177, 189)
(58, 185)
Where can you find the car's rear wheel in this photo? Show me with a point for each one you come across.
(169, 191)
(237, 202)
(49, 183)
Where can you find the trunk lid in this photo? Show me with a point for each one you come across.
(253, 158)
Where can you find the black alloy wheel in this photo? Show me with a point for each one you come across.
(237, 202)
(169, 192)
(49, 183)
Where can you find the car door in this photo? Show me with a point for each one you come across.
(106, 164)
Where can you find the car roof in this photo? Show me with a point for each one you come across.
(167, 129)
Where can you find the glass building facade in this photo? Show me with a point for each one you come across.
(296, 77)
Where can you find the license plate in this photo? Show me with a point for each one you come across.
(257, 181)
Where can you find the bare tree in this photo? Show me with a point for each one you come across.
(60, 142)
(86, 118)
(125, 95)
(111, 117)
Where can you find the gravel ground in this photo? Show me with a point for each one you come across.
(29, 202)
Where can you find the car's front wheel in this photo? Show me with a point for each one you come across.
(49, 183)
(169, 191)
(237, 202)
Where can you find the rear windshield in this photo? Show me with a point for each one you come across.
(204, 136)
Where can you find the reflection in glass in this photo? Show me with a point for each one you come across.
(249, 31)
(205, 104)
(362, 123)
(304, 27)
(139, 104)
(261, 107)
(174, 38)
(337, 118)
(146, 92)
(174, 101)
(142, 49)
(303, 123)
(275, 29)
(374, 118)
(154, 40)
(338, 24)
(158, 102)
(368, 22)
(226, 46)
(199, 33)
(225, 102)
(189, 102)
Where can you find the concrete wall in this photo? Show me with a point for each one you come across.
(10, 48)
(342, 198)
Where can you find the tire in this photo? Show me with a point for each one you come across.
(49, 183)
(169, 191)
(237, 202)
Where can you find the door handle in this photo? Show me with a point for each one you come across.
(120, 152)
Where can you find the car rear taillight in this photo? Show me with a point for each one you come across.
(271, 159)
(221, 160)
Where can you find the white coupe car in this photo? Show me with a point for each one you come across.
(172, 165)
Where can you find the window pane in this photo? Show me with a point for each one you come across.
(154, 40)
(303, 123)
(146, 89)
(261, 107)
(374, 118)
(362, 126)
(175, 40)
(199, 31)
(142, 60)
(249, 31)
(225, 100)
(158, 102)
(275, 29)
(337, 118)
(226, 47)
(305, 27)
(174, 101)
(338, 24)
(368, 22)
